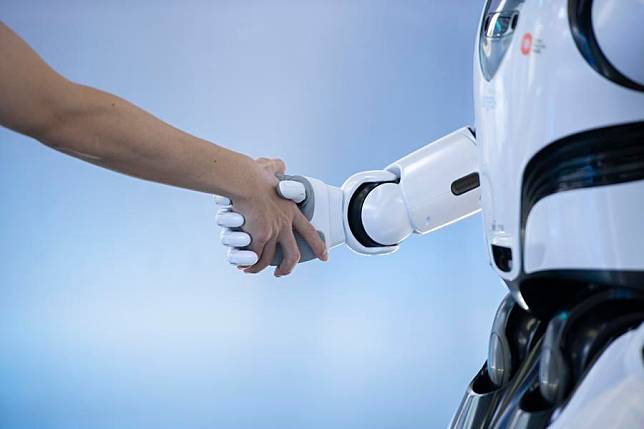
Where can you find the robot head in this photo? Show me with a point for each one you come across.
(559, 98)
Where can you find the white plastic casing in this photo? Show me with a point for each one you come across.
(426, 177)
(593, 229)
(545, 90)
(384, 215)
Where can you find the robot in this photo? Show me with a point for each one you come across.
(555, 162)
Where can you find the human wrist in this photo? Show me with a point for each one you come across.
(254, 181)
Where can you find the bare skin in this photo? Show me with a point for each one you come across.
(110, 132)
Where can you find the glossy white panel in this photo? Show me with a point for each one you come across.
(384, 215)
(591, 228)
(426, 177)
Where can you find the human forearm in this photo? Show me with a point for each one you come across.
(111, 132)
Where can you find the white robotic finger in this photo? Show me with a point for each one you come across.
(229, 219)
(292, 190)
(242, 257)
(222, 201)
(234, 238)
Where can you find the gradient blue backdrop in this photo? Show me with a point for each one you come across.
(116, 307)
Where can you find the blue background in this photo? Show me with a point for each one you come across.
(117, 309)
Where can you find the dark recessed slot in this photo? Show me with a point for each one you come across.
(502, 258)
(465, 184)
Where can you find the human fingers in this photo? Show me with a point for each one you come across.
(290, 253)
(310, 235)
(265, 257)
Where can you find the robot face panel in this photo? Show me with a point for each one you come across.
(562, 189)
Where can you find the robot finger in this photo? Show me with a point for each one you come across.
(229, 219)
(291, 190)
(222, 201)
(242, 257)
(234, 238)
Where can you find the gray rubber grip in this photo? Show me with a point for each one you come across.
(306, 253)
(306, 207)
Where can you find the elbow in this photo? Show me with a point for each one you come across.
(55, 115)
(43, 128)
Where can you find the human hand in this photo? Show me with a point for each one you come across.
(254, 226)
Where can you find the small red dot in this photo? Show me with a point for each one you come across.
(526, 43)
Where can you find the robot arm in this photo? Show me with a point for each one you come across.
(374, 211)
(420, 193)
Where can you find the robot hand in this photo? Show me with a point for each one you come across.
(320, 203)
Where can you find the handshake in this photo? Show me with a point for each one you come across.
(304, 223)
(297, 219)
(284, 220)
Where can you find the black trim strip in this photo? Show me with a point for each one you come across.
(354, 214)
(603, 156)
(581, 26)
(570, 287)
